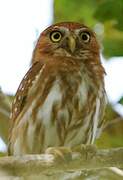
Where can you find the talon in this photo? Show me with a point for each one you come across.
(88, 150)
(63, 153)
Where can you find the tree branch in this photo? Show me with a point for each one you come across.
(47, 166)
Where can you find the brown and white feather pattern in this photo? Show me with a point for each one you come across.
(53, 106)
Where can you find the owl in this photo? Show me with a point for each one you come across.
(61, 100)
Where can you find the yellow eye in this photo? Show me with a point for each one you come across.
(85, 36)
(55, 36)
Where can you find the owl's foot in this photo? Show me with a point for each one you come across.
(61, 153)
(87, 151)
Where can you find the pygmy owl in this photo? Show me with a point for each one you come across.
(61, 100)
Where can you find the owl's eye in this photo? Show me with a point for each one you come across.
(85, 36)
(55, 36)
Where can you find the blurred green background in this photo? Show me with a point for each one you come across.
(105, 17)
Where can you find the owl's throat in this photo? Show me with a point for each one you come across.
(63, 52)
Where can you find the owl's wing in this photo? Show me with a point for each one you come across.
(21, 94)
(103, 102)
(98, 118)
(22, 98)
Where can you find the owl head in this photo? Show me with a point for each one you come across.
(66, 39)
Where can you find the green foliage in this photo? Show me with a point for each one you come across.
(111, 10)
(108, 140)
(81, 11)
(113, 47)
(109, 13)
(3, 154)
(121, 100)
(112, 135)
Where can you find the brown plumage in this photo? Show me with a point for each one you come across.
(61, 100)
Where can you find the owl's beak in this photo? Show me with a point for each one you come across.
(72, 43)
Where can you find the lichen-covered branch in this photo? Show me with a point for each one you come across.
(88, 160)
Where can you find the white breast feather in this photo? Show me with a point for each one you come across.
(44, 115)
(96, 119)
(82, 93)
(53, 96)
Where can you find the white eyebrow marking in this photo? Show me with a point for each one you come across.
(61, 28)
(81, 29)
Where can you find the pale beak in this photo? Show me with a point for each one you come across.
(72, 43)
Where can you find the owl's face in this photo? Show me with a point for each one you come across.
(68, 39)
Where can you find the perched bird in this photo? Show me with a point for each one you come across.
(61, 100)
